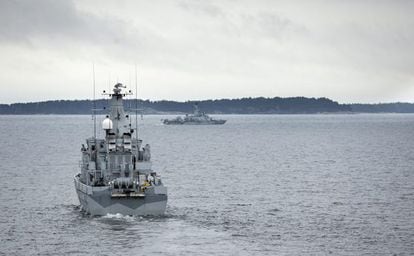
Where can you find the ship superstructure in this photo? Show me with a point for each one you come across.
(116, 174)
(197, 118)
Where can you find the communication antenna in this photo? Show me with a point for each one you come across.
(136, 102)
(94, 103)
(109, 83)
(129, 100)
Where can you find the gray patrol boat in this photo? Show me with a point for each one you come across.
(116, 174)
(197, 118)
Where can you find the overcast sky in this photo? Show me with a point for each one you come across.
(349, 51)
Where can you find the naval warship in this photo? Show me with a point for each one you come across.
(197, 118)
(115, 172)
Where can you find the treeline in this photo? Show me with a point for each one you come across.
(383, 108)
(294, 105)
(297, 105)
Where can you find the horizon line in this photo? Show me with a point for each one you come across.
(198, 100)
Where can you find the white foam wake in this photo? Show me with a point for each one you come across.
(119, 216)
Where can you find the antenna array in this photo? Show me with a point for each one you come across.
(94, 103)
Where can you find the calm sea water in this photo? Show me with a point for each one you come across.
(258, 185)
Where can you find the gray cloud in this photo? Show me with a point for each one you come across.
(350, 51)
(267, 24)
(25, 21)
(22, 20)
(201, 7)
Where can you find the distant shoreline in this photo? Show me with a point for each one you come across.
(244, 106)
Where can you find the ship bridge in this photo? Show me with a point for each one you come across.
(119, 156)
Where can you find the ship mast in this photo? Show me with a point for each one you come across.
(136, 103)
(94, 103)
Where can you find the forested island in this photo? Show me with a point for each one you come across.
(261, 105)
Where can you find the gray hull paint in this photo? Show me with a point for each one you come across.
(101, 203)
(197, 118)
(214, 122)
(115, 172)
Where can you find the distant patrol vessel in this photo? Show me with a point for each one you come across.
(197, 118)
(116, 174)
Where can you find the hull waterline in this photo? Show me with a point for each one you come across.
(101, 202)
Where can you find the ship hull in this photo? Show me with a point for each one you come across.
(214, 122)
(99, 201)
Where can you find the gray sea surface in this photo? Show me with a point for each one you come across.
(258, 185)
